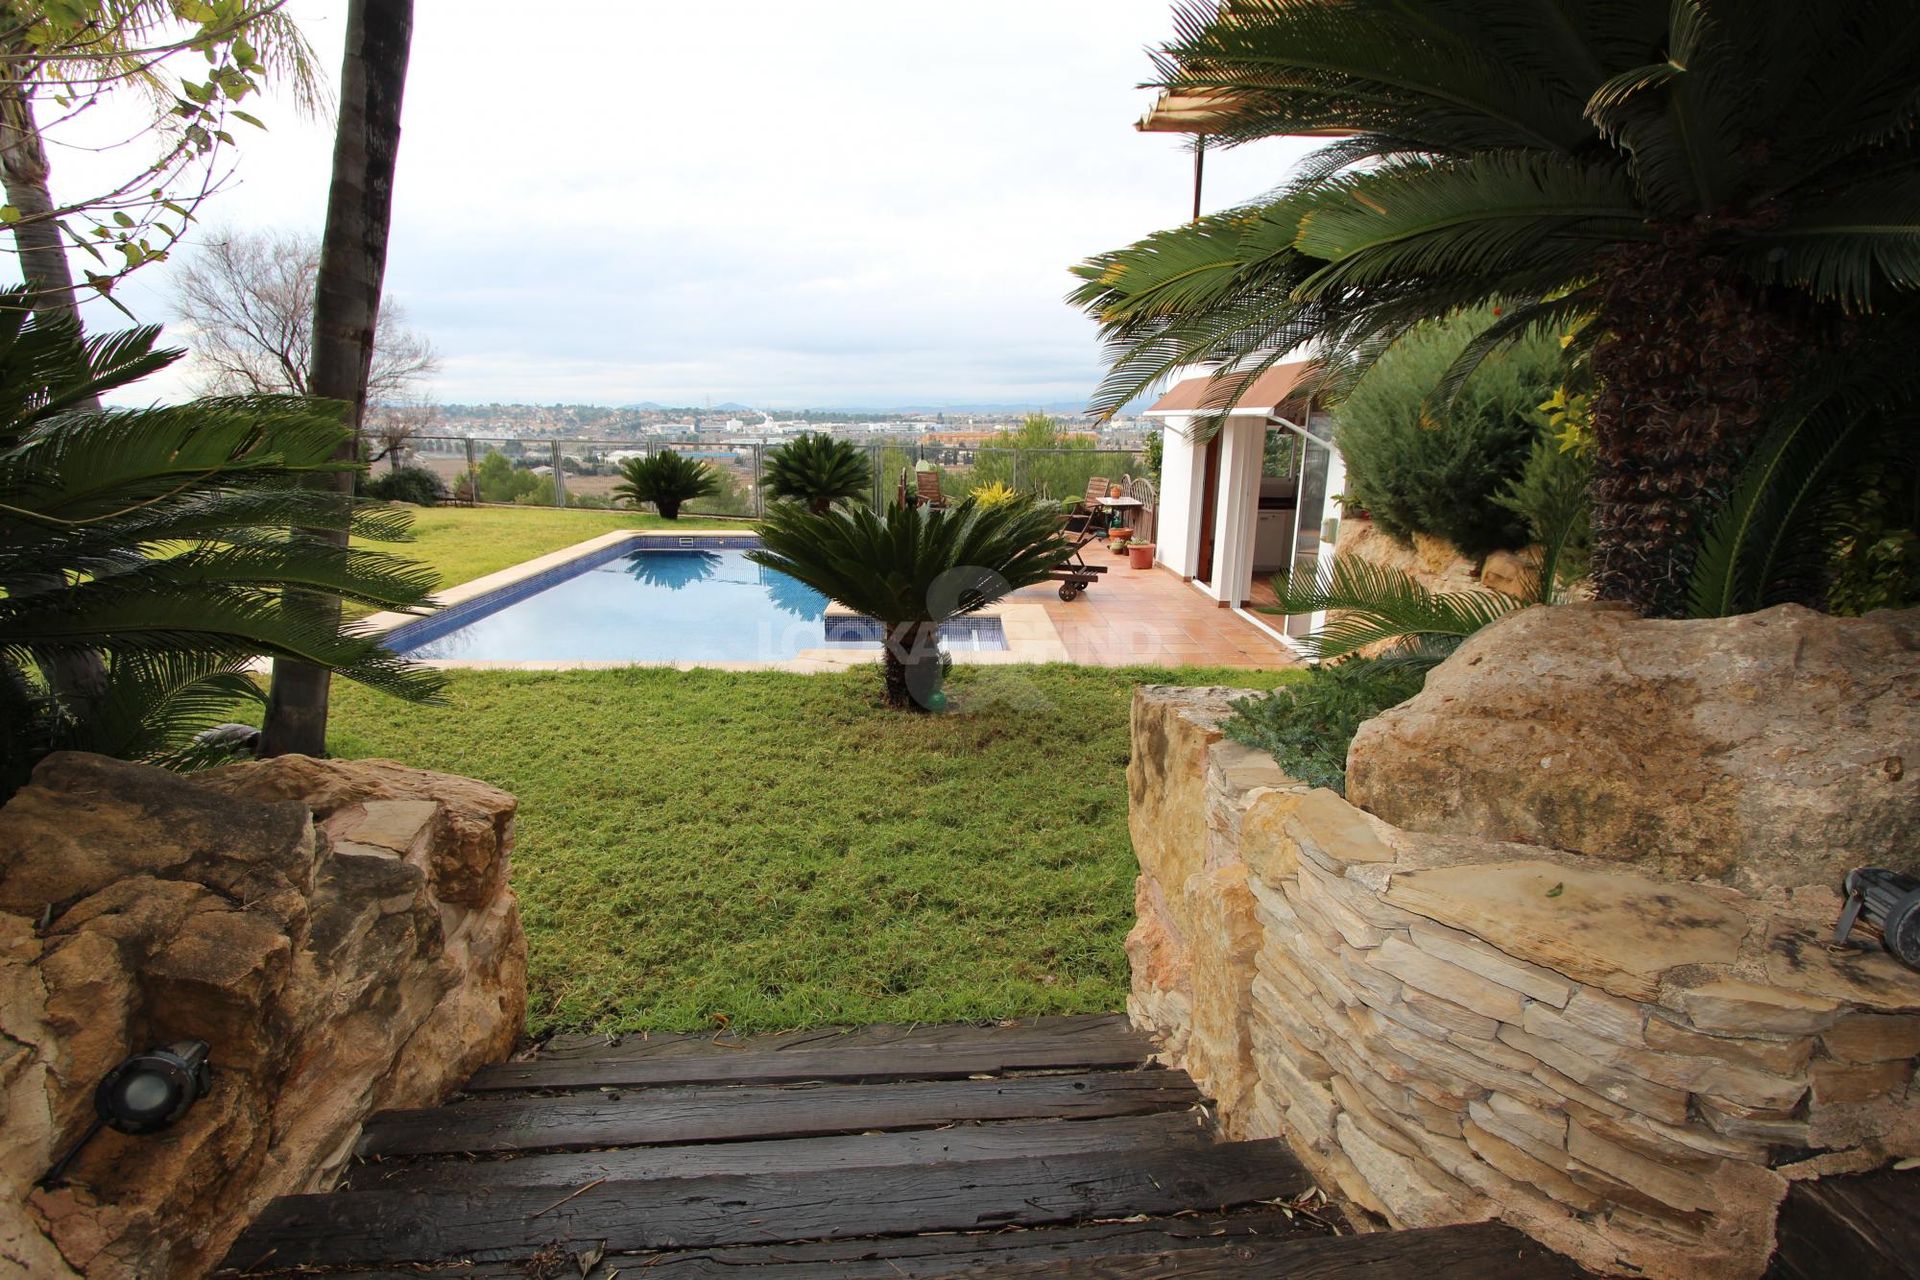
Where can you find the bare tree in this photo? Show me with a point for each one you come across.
(248, 298)
(393, 426)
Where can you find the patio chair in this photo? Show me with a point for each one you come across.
(927, 488)
(1097, 489)
(1073, 573)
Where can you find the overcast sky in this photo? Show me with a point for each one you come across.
(840, 203)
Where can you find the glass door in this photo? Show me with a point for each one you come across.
(1317, 527)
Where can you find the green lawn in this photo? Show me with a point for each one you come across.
(765, 850)
(464, 543)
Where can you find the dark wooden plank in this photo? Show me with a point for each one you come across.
(714, 1114)
(893, 1257)
(1164, 1131)
(1477, 1251)
(358, 1228)
(847, 1064)
(1863, 1227)
(906, 1257)
(1056, 1029)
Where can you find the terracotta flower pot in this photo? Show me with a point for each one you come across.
(1140, 555)
(1115, 491)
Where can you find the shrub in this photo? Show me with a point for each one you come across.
(666, 480)
(1308, 726)
(501, 481)
(417, 485)
(818, 470)
(994, 495)
(1418, 473)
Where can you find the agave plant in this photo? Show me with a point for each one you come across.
(1715, 197)
(818, 470)
(666, 480)
(911, 570)
(147, 556)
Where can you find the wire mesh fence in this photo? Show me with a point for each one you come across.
(585, 473)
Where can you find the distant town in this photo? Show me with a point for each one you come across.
(733, 423)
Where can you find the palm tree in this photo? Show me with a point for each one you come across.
(160, 542)
(818, 470)
(666, 480)
(353, 261)
(911, 570)
(1715, 198)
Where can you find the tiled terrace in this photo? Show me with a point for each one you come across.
(1149, 616)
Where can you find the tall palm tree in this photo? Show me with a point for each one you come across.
(911, 570)
(1717, 198)
(159, 542)
(353, 262)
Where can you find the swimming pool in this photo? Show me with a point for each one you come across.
(646, 602)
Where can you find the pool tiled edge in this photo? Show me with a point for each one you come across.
(1030, 633)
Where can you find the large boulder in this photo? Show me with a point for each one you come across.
(341, 933)
(1774, 749)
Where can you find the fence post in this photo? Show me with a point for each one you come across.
(759, 507)
(1017, 453)
(559, 477)
(473, 475)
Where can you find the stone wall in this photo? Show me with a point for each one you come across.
(1449, 1029)
(341, 932)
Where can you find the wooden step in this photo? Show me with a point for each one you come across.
(991, 1052)
(358, 1228)
(900, 1257)
(1164, 1131)
(716, 1114)
(1477, 1251)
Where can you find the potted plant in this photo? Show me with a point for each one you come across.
(1140, 555)
(1118, 537)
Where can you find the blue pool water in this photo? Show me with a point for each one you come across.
(656, 605)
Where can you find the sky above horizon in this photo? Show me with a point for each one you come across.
(860, 203)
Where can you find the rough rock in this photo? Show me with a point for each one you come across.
(1776, 748)
(340, 933)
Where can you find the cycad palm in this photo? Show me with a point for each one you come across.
(161, 542)
(911, 570)
(818, 470)
(1719, 197)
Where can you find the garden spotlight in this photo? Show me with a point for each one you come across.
(145, 1094)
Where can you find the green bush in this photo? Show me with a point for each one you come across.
(501, 481)
(1419, 474)
(1308, 726)
(417, 485)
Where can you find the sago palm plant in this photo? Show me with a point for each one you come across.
(666, 480)
(146, 556)
(911, 570)
(1716, 196)
(818, 470)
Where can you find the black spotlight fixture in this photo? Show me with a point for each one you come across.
(145, 1094)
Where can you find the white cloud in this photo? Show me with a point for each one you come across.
(835, 203)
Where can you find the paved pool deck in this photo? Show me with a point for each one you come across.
(1128, 617)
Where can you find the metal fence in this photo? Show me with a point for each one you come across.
(583, 473)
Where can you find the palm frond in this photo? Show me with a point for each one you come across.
(1375, 605)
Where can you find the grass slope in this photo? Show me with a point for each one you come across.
(765, 850)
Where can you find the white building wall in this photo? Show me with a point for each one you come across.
(1242, 450)
(1177, 525)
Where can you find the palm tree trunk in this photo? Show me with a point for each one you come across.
(353, 260)
(911, 656)
(36, 235)
(80, 678)
(1688, 367)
